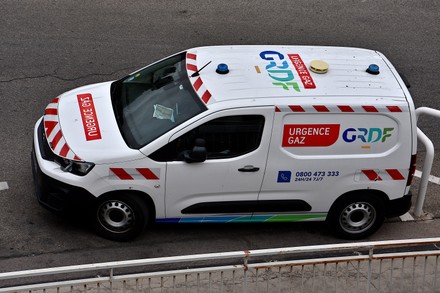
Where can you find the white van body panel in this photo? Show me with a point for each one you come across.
(321, 173)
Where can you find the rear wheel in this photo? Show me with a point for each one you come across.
(356, 216)
(121, 217)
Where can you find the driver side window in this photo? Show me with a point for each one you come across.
(225, 137)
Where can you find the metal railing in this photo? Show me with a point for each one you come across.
(428, 160)
(384, 266)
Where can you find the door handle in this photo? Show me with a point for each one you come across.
(249, 168)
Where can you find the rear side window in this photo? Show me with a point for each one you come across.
(225, 137)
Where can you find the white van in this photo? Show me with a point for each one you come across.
(234, 134)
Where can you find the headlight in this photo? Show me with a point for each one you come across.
(74, 167)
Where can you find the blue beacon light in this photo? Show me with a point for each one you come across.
(222, 68)
(373, 69)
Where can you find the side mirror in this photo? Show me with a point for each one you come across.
(198, 153)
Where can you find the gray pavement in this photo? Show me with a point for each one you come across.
(50, 46)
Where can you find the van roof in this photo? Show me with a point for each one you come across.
(258, 72)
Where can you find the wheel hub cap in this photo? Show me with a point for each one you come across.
(357, 217)
(115, 216)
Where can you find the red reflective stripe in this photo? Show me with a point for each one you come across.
(64, 150)
(121, 173)
(320, 108)
(370, 108)
(296, 108)
(394, 109)
(206, 96)
(198, 83)
(345, 108)
(191, 56)
(191, 67)
(56, 139)
(147, 173)
(51, 111)
(49, 125)
(76, 158)
(395, 174)
(372, 175)
(277, 109)
(55, 100)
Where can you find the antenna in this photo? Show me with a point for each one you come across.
(197, 72)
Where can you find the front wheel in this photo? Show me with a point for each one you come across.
(357, 216)
(121, 217)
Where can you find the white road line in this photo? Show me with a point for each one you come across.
(4, 185)
(406, 217)
(432, 179)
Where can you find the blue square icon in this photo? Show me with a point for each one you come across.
(284, 176)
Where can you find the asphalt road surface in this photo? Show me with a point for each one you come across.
(48, 47)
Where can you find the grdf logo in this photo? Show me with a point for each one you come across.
(367, 134)
(278, 69)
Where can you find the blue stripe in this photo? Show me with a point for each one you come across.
(247, 218)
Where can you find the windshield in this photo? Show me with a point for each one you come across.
(152, 101)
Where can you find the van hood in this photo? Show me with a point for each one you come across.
(80, 125)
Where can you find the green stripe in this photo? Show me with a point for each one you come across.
(288, 218)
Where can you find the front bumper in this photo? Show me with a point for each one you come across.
(53, 194)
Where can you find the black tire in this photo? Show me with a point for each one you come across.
(356, 216)
(121, 217)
